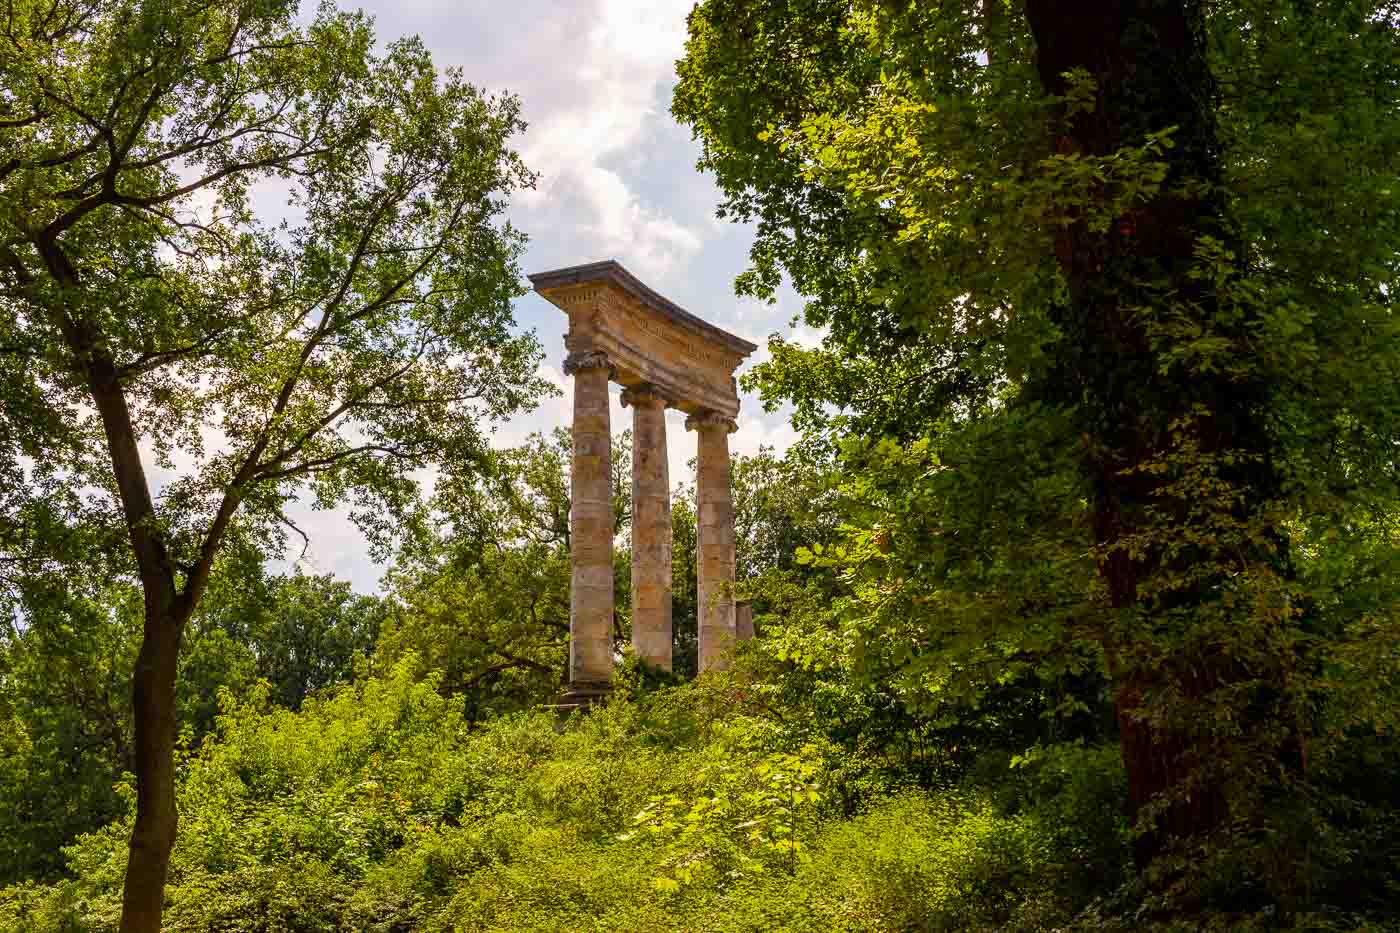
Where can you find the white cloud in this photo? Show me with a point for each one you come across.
(756, 432)
(617, 70)
(617, 180)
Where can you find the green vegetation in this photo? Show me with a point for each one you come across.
(814, 787)
(1108, 291)
(1076, 600)
(380, 807)
(331, 356)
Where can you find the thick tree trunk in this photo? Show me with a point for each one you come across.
(157, 664)
(1148, 62)
(153, 836)
(167, 611)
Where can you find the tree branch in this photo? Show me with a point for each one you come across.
(35, 117)
(313, 466)
(109, 195)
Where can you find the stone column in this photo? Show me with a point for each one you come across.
(591, 525)
(715, 539)
(651, 526)
(743, 621)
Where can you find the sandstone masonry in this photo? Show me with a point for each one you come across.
(664, 356)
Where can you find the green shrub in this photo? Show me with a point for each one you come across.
(378, 808)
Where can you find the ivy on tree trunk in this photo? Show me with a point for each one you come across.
(1143, 68)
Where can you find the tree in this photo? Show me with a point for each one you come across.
(65, 687)
(1107, 322)
(303, 633)
(150, 316)
(781, 505)
(685, 632)
(65, 726)
(482, 595)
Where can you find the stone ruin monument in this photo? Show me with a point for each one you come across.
(664, 357)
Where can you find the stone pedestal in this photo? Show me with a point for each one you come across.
(591, 525)
(651, 526)
(715, 539)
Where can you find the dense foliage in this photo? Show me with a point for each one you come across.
(817, 786)
(1108, 299)
(149, 316)
(65, 692)
(1075, 601)
(382, 808)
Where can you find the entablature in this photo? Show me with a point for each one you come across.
(648, 339)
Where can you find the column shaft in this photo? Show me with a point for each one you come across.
(591, 524)
(715, 540)
(743, 621)
(651, 527)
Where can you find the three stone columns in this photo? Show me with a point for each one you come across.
(591, 530)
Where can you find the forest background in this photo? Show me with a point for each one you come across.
(1074, 595)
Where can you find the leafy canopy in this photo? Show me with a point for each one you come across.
(287, 250)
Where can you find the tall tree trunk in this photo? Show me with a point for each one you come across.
(166, 612)
(153, 835)
(168, 606)
(157, 663)
(1148, 63)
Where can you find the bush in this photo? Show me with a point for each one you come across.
(377, 808)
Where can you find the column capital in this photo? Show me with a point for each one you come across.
(645, 393)
(588, 359)
(710, 419)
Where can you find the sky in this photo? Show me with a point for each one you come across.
(617, 181)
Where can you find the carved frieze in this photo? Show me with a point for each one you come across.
(647, 339)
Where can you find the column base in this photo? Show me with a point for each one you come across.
(578, 697)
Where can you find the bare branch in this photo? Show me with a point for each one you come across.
(111, 196)
(350, 403)
(52, 161)
(154, 360)
(358, 257)
(391, 292)
(323, 463)
(510, 662)
(101, 128)
(305, 539)
(410, 402)
(205, 141)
